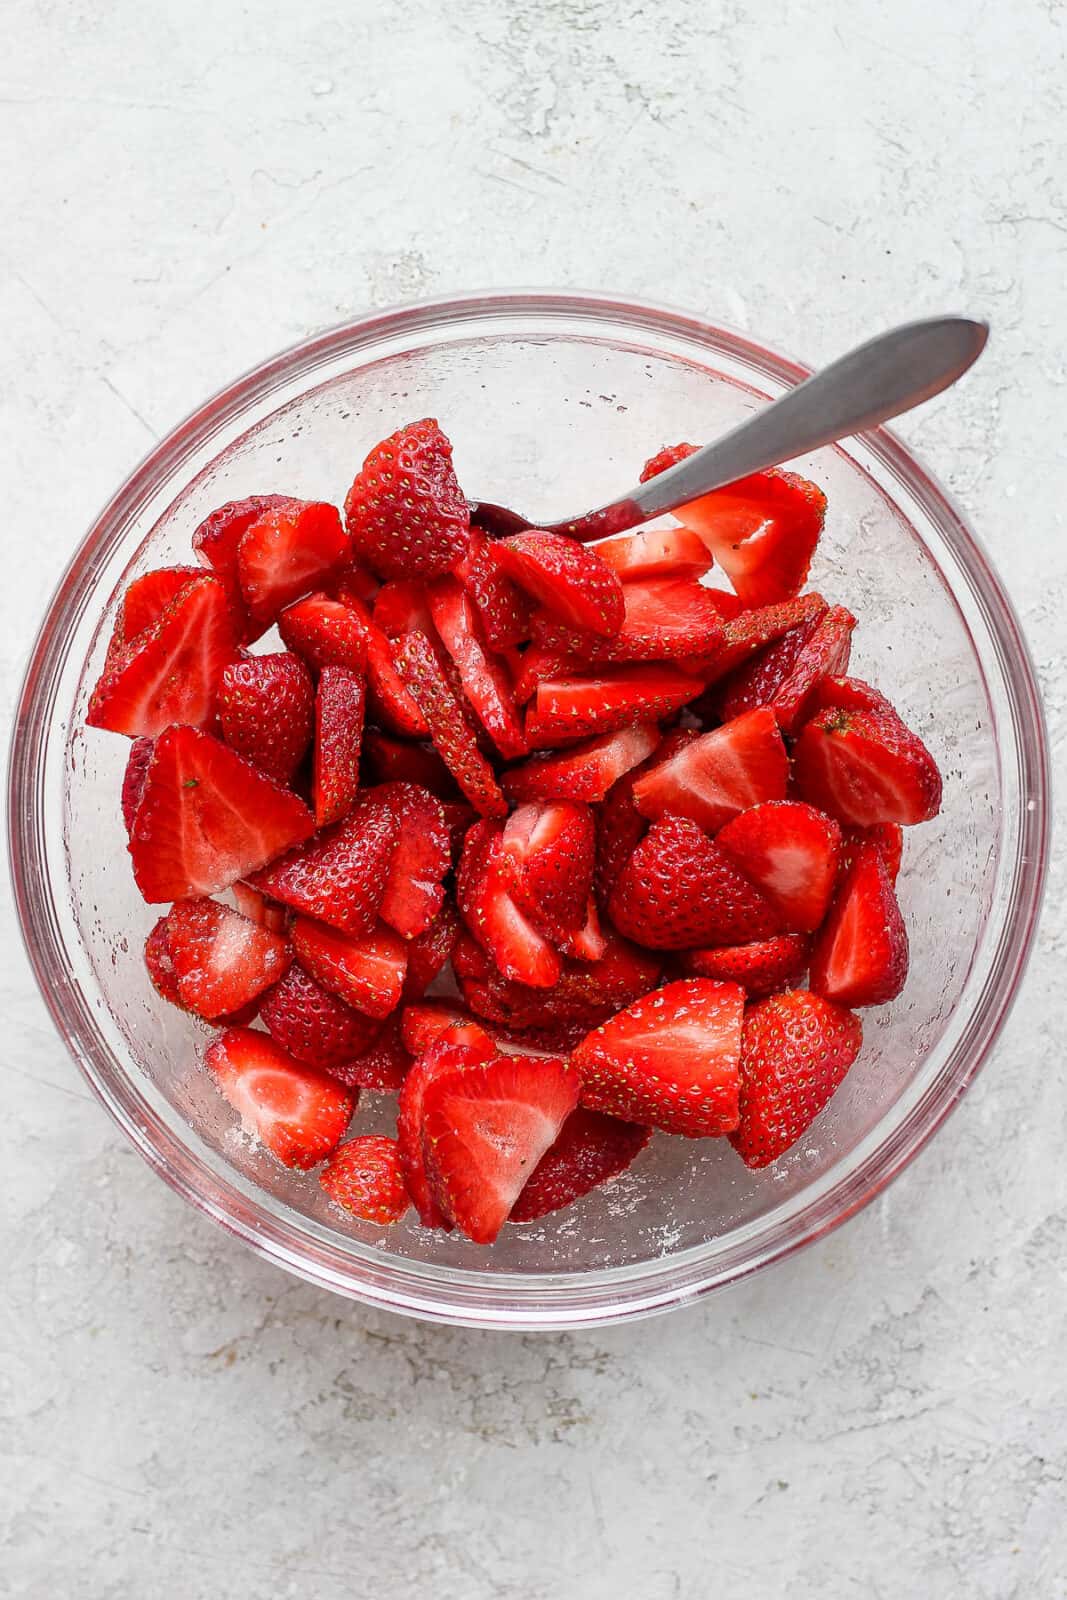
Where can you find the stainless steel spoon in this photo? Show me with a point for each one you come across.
(876, 381)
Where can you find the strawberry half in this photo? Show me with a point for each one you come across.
(861, 955)
(315, 1026)
(569, 579)
(456, 1049)
(760, 968)
(550, 848)
(218, 538)
(364, 1178)
(286, 551)
(605, 701)
(340, 876)
(169, 673)
(762, 530)
(790, 852)
(485, 680)
(221, 961)
(366, 972)
(133, 779)
(825, 652)
(620, 827)
(145, 600)
(670, 1060)
(417, 663)
(483, 894)
(655, 553)
(413, 890)
(666, 619)
(339, 704)
(714, 777)
(680, 891)
(757, 681)
(430, 952)
(541, 663)
(866, 767)
(589, 1150)
(266, 710)
(752, 631)
(298, 1113)
(586, 771)
(388, 760)
(208, 817)
(484, 1131)
(795, 1051)
(502, 607)
(325, 632)
(405, 512)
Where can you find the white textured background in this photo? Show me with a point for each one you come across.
(185, 189)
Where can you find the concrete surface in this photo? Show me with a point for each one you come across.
(186, 189)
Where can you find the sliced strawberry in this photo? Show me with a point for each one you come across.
(421, 672)
(257, 908)
(757, 681)
(208, 817)
(459, 817)
(401, 606)
(586, 771)
(589, 942)
(339, 703)
(569, 579)
(678, 891)
(540, 663)
(751, 631)
(847, 694)
(669, 456)
(159, 965)
(366, 972)
(413, 889)
(670, 1060)
(484, 679)
(586, 994)
(762, 530)
(826, 652)
(145, 601)
(133, 779)
(620, 827)
(354, 586)
(589, 1150)
(221, 960)
(866, 767)
(666, 619)
(790, 851)
(550, 848)
(670, 552)
(266, 710)
(795, 1050)
(605, 701)
(454, 1050)
(486, 905)
(760, 968)
(430, 951)
(287, 551)
(502, 607)
(888, 836)
(325, 632)
(389, 759)
(316, 1027)
(422, 1025)
(861, 955)
(363, 1177)
(405, 511)
(218, 538)
(340, 876)
(170, 672)
(713, 778)
(484, 1131)
(298, 1113)
(384, 1064)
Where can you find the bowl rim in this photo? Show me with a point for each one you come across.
(663, 1283)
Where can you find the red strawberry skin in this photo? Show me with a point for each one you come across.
(221, 961)
(665, 619)
(454, 1050)
(389, 759)
(133, 779)
(299, 1114)
(384, 1064)
(218, 538)
(208, 817)
(405, 512)
(669, 456)
(364, 1178)
(340, 876)
(550, 849)
(484, 1131)
(826, 651)
(169, 673)
(365, 972)
(502, 607)
(159, 964)
(417, 663)
(861, 955)
(795, 1051)
(865, 768)
(325, 633)
(570, 580)
(585, 772)
(487, 906)
(314, 1025)
(723, 772)
(288, 550)
(790, 851)
(888, 836)
(757, 681)
(763, 531)
(414, 889)
(761, 968)
(590, 1149)
(848, 694)
(604, 701)
(266, 710)
(339, 707)
(680, 891)
(144, 601)
(669, 1060)
(484, 679)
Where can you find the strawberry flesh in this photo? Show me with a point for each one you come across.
(288, 550)
(569, 579)
(866, 767)
(549, 848)
(221, 960)
(670, 552)
(606, 701)
(665, 619)
(502, 607)
(485, 680)
(589, 1150)
(298, 1113)
(790, 851)
(456, 1049)
(861, 955)
(720, 774)
(585, 772)
(413, 891)
(366, 971)
(339, 706)
(487, 906)
(762, 530)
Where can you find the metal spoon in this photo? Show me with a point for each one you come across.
(876, 381)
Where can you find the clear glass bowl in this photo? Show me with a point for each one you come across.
(552, 402)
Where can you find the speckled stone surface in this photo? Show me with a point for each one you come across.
(188, 188)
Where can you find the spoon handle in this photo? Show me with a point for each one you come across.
(876, 381)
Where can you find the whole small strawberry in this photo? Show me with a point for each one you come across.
(405, 511)
(267, 709)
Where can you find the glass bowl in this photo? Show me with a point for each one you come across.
(552, 401)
